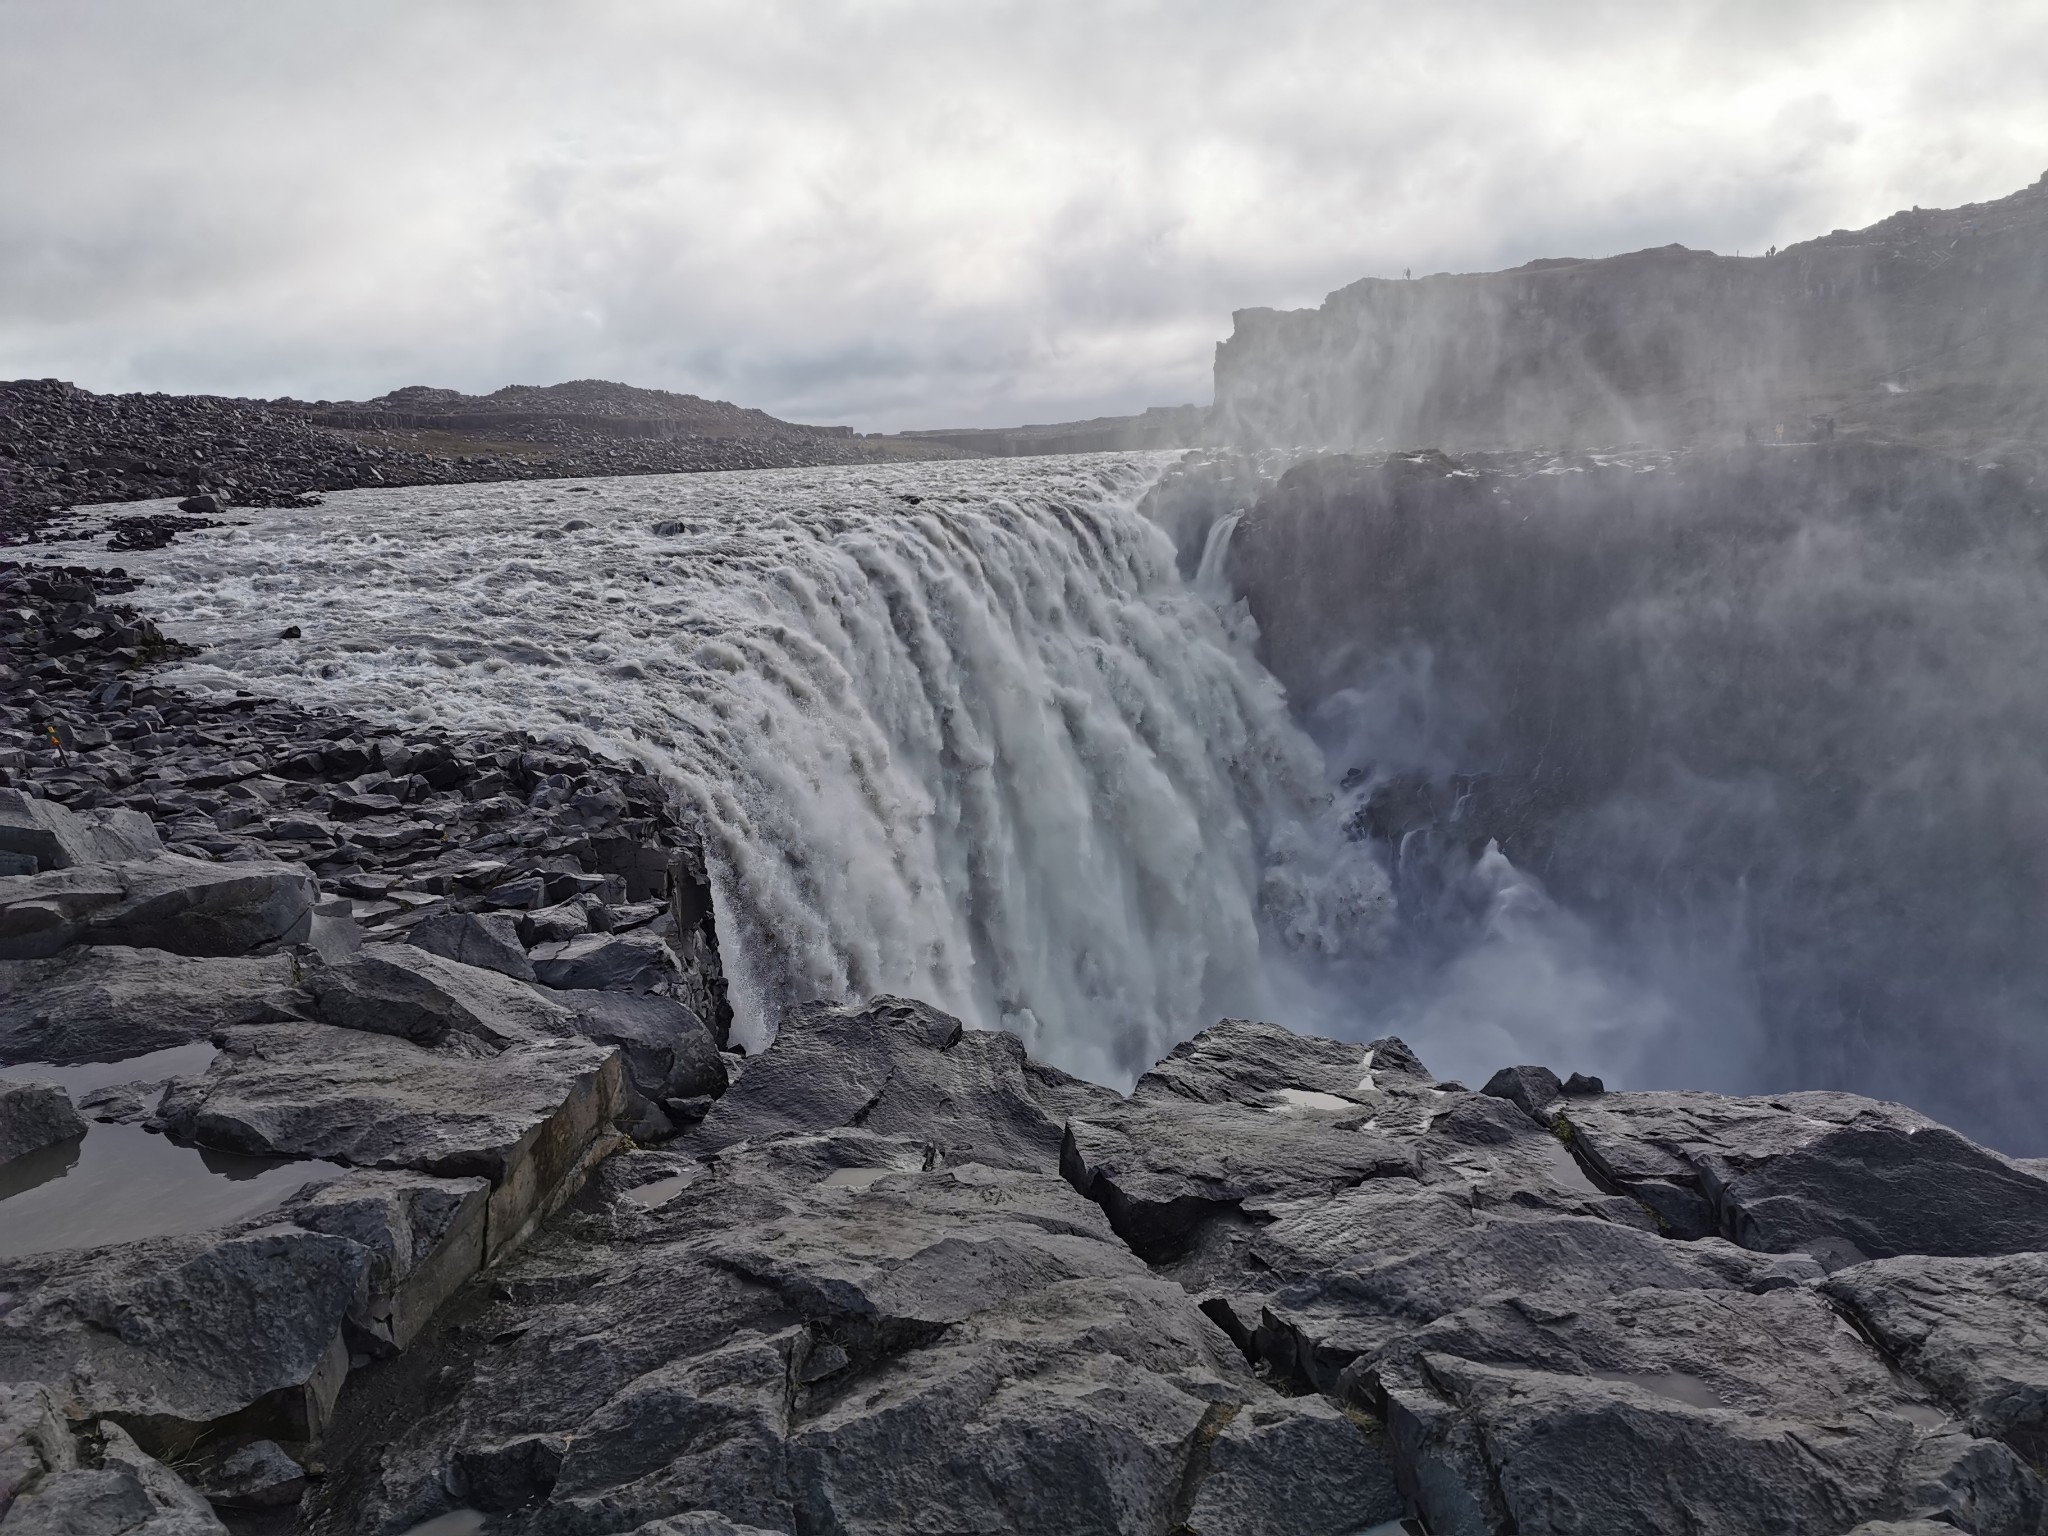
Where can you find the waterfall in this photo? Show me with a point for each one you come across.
(959, 731)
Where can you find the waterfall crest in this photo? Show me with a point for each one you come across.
(957, 731)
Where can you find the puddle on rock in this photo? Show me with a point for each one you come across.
(661, 1191)
(1565, 1169)
(119, 1183)
(83, 1076)
(1679, 1386)
(856, 1178)
(1302, 1101)
(457, 1522)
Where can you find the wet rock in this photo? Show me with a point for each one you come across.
(904, 1068)
(486, 939)
(187, 906)
(606, 962)
(527, 1118)
(413, 992)
(669, 1053)
(1973, 1331)
(108, 1002)
(33, 1116)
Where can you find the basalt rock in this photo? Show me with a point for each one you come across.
(902, 1067)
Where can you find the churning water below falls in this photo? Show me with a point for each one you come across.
(956, 730)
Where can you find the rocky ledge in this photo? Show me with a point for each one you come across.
(524, 1251)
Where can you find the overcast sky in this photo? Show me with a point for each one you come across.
(903, 213)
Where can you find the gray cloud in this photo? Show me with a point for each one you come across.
(910, 212)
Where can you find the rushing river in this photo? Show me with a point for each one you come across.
(955, 730)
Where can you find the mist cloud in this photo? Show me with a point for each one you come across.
(909, 212)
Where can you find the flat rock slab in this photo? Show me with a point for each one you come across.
(1843, 1178)
(903, 1067)
(414, 993)
(245, 1331)
(187, 906)
(107, 1002)
(523, 1119)
(33, 1116)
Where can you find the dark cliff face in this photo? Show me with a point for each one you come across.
(1768, 719)
(1931, 325)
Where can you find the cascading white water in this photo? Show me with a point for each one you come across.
(956, 730)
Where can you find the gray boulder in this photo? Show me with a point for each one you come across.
(33, 1116)
(606, 962)
(903, 1068)
(419, 995)
(529, 1119)
(187, 906)
(486, 939)
(669, 1053)
(1841, 1177)
(1973, 1331)
(108, 1002)
(58, 838)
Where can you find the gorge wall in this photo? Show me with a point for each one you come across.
(1720, 768)
(1930, 325)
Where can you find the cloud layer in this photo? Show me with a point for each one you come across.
(911, 212)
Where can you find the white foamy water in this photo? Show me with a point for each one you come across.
(982, 747)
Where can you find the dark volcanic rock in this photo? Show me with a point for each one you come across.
(902, 1068)
(822, 1334)
(33, 1116)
